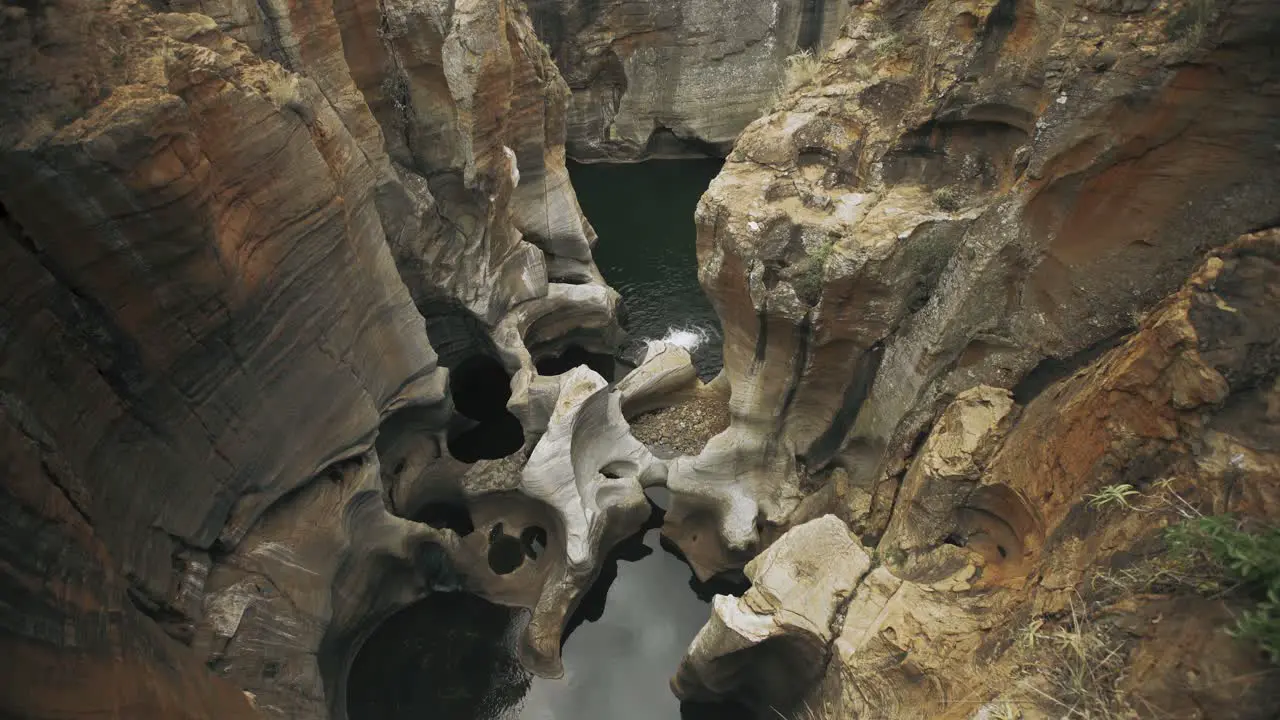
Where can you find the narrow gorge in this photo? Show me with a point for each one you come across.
(640, 359)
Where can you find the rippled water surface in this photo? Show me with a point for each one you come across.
(643, 213)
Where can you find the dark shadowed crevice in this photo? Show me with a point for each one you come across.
(446, 515)
(810, 25)
(506, 552)
(574, 356)
(447, 656)
(664, 142)
(1051, 369)
(828, 443)
(803, 330)
(481, 388)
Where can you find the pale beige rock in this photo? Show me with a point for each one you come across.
(768, 645)
(664, 377)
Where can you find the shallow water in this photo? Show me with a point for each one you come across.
(643, 213)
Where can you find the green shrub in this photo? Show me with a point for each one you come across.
(1191, 21)
(807, 281)
(948, 198)
(1248, 560)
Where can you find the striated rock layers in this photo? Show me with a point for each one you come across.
(673, 78)
(1001, 587)
(966, 194)
(231, 238)
(948, 272)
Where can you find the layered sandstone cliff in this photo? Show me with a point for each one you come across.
(911, 256)
(256, 256)
(967, 193)
(1000, 588)
(231, 238)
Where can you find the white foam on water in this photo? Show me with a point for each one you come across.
(689, 338)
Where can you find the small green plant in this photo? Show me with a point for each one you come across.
(807, 281)
(948, 198)
(1113, 495)
(1248, 560)
(1191, 21)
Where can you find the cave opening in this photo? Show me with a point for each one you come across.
(481, 388)
(574, 356)
(453, 655)
(506, 552)
(446, 515)
(644, 215)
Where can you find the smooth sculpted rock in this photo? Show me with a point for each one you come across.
(590, 470)
(767, 647)
(664, 377)
(663, 78)
(544, 524)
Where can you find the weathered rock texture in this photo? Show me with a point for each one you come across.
(670, 78)
(770, 644)
(970, 194)
(998, 577)
(226, 235)
(967, 204)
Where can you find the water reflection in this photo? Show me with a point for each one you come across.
(450, 656)
(643, 213)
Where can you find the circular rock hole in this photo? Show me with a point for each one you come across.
(506, 552)
(572, 357)
(445, 657)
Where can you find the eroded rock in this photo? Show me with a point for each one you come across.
(768, 646)
(670, 78)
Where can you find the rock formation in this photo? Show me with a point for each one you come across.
(910, 258)
(768, 645)
(222, 234)
(672, 78)
(970, 195)
(275, 272)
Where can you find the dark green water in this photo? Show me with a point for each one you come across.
(643, 213)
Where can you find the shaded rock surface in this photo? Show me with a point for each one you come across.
(772, 642)
(671, 78)
(231, 238)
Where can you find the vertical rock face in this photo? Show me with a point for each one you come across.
(1002, 583)
(226, 239)
(972, 194)
(661, 78)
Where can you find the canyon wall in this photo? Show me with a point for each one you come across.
(232, 234)
(253, 251)
(674, 78)
(952, 271)
(969, 193)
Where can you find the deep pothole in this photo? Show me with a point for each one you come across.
(452, 655)
(481, 388)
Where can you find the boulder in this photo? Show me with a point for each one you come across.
(767, 647)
